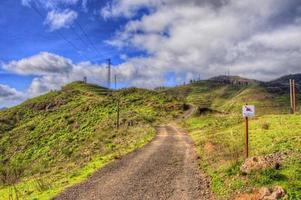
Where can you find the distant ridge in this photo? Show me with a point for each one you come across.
(224, 78)
(281, 85)
(284, 80)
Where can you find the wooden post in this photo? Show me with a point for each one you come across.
(117, 120)
(294, 96)
(247, 138)
(291, 96)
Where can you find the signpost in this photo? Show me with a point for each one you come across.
(248, 111)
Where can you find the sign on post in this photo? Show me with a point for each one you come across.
(248, 111)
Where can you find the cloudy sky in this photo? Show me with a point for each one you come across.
(45, 44)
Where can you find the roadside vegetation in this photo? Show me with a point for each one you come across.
(59, 139)
(219, 135)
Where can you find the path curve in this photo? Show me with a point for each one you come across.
(166, 168)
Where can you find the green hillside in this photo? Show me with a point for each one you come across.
(218, 132)
(228, 98)
(58, 139)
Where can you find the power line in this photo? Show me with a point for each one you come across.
(87, 37)
(90, 41)
(79, 36)
(61, 35)
(82, 40)
(76, 33)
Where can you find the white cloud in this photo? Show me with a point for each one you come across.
(259, 40)
(60, 19)
(255, 39)
(95, 73)
(10, 96)
(53, 71)
(85, 5)
(55, 4)
(42, 64)
(126, 8)
(50, 3)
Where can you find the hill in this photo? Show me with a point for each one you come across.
(233, 80)
(217, 129)
(58, 139)
(284, 80)
(229, 97)
(281, 85)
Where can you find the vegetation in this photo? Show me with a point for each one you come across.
(219, 137)
(59, 139)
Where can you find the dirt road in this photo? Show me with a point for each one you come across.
(166, 168)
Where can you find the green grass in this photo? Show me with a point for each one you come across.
(47, 186)
(228, 98)
(58, 139)
(220, 144)
(219, 137)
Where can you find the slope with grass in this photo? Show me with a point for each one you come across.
(219, 136)
(228, 98)
(59, 139)
(220, 143)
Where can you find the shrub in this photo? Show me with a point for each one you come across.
(265, 126)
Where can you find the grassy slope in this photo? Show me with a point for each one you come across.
(59, 139)
(220, 137)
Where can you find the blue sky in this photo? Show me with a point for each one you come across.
(24, 32)
(151, 42)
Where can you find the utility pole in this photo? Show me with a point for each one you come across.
(118, 113)
(292, 95)
(115, 80)
(109, 73)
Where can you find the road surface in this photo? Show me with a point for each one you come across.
(166, 168)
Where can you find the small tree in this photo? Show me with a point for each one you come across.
(10, 175)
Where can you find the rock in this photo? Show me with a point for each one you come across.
(278, 192)
(253, 163)
(263, 193)
(274, 193)
(263, 162)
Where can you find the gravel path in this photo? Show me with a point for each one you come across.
(166, 168)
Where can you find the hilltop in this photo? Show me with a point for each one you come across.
(281, 85)
(284, 80)
(233, 80)
(228, 97)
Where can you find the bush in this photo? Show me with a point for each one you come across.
(265, 126)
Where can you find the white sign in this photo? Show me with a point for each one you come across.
(248, 111)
